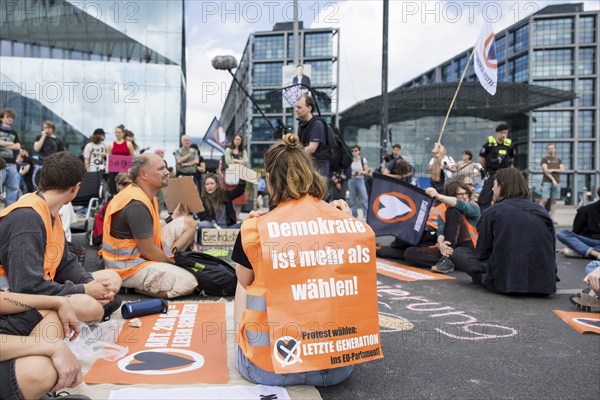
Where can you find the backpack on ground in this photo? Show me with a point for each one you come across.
(335, 149)
(215, 276)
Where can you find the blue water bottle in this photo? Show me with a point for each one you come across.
(144, 307)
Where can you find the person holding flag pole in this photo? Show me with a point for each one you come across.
(486, 69)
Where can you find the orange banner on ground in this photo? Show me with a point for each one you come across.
(405, 273)
(582, 322)
(186, 345)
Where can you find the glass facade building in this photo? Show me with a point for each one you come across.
(557, 47)
(89, 64)
(260, 72)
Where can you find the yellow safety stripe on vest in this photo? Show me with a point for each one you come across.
(123, 255)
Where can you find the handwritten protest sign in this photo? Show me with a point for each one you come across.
(119, 163)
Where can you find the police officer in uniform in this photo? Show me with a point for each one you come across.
(497, 153)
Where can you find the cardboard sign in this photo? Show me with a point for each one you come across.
(187, 345)
(218, 237)
(119, 163)
(240, 172)
(582, 322)
(182, 190)
(405, 273)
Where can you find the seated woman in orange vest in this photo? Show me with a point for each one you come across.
(456, 228)
(307, 299)
(34, 257)
(134, 243)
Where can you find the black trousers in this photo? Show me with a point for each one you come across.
(486, 195)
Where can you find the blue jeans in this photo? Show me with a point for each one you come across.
(591, 266)
(581, 244)
(326, 377)
(358, 192)
(9, 179)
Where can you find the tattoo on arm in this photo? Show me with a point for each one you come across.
(19, 304)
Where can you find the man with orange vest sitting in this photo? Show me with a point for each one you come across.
(134, 243)
(456, 228)
(34, 257)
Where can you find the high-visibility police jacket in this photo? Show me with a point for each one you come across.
(55, 235)
(497, 156)
(123, 255)
(255, 339)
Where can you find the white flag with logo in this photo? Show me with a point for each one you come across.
(486, 64)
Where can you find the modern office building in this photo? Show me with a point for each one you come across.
(260, 72)
(94, 64)
(541, 59)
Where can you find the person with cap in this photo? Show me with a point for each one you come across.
(497, 153)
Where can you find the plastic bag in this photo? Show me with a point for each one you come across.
(98, 341)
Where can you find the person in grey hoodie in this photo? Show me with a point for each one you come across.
(515, 250)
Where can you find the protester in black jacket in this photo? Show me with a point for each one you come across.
(515, 249)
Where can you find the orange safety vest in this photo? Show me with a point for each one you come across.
(437, 209)
(473, 234)
(313, 302)
(123, 255)
(55, 235)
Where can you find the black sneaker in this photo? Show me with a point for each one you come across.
(64, 396)
(443, 266)
(112, 307)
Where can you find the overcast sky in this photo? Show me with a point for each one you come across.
(422, 34)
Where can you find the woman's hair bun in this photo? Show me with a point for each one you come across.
(291, 140)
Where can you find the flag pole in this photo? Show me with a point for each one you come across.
(455, 95)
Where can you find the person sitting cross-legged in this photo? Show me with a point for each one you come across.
(34, 256)
(584, 239)
(456, 228)
(515, 247)
(35, 360)
(134, 243)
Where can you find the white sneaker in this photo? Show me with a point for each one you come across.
(569, 252)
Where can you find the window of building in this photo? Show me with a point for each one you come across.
(447, 73)
(502, 72)
(586, 124)
(519, 40)
(261, 130)
(586, 184)
(266, 74)
(585, 90)
(563, 150)
(5, 48)
(563, 84)
(317, 44)
(320, 73)
(500, 48)
(552, 124)
(518, 69)
(587, 29)
(18, 49)
(552, 32)
(587, 61)
(552, 63)
(585, 157)
(269, 101)
(268, 47)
